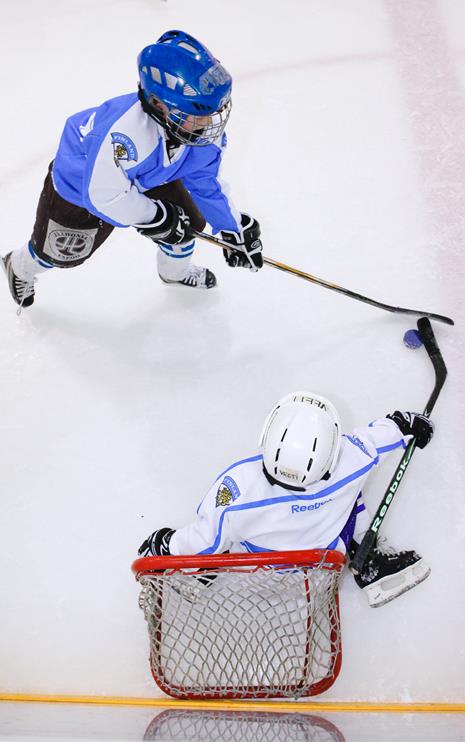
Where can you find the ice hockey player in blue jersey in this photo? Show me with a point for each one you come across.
(304, 491)
(150, 160)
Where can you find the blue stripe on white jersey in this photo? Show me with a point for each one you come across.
(385, 449)
(325, 492)
(238, 463)
(254, 549)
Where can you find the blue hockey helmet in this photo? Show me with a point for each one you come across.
(194, 88)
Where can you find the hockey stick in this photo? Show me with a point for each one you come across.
(333, 286)
(440, 371)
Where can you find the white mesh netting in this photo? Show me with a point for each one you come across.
(243, 632)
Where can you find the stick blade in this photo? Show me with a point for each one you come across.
(427, 336)
(432, 348)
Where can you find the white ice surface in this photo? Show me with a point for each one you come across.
(23, 722)
(121, 398)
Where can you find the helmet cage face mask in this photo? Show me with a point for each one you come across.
(191, 129)
(301, 440)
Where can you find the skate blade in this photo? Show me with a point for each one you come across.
(393, 586)
(188, 285)
(5, 269)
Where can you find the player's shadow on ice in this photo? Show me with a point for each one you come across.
(175, 336)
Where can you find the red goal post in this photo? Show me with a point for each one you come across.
(261, 625)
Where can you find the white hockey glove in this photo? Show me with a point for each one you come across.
(413, 423)
(246, 245)
(170, 224)
(157, 544)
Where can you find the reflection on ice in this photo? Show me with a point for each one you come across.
(241, 726)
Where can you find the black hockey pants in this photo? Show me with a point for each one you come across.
(66, 235)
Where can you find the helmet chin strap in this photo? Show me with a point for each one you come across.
(150, 110)
(173, 140)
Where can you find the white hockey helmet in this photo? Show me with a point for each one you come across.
(301, 439)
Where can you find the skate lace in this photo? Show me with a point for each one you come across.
(194, 275)
(23, 290)
(383, 547)
(195, 271)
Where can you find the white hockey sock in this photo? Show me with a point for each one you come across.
(173, 261)
(26, 265)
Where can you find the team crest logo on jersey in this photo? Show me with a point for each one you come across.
(124, 149)
(228, 491)
(223, 496)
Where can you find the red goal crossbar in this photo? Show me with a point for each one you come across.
(331, 559)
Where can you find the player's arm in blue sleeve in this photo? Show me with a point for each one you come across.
(211, 194)
(107, 189)
(110, 193)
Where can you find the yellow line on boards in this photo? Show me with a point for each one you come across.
(405, 708)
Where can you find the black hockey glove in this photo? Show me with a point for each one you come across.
(170, 224)
(157, 544)
(246, 245)
(413, 423)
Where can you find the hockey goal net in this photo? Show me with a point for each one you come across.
(260, 625)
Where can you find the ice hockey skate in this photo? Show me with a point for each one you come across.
(21, 291)
(388, 573)
(196, 277)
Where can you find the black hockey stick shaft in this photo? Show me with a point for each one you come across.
(334, 286)
(440, 370)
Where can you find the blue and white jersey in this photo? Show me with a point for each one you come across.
(244, 512)
(110, 155)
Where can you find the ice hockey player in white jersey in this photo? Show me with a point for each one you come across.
(150, 160)
(304, 491)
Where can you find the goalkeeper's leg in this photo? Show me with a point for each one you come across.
(387, 573)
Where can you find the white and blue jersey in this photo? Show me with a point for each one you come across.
(243, 511)
(109, 156)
